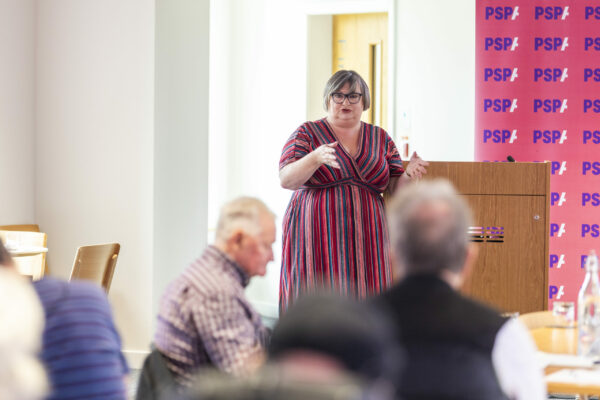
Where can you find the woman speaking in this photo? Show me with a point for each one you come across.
(335, 234)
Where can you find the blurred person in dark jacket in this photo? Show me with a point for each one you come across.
(456, 348)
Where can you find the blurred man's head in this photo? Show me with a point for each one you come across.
(246, 232)
(429, 225)
(328, 333)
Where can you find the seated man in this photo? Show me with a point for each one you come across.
(204, 318)
(456, 348)
(81, 348)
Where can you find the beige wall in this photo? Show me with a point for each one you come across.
(435, 84)
(94, 144)
(17, 109)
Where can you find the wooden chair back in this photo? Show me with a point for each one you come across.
(34, 264)
(28, 228)
(23, 227)
(96, 263)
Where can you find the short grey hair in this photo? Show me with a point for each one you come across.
(353, 79)
(241, 213)
(429, 225)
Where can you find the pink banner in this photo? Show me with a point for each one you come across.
(538, 98)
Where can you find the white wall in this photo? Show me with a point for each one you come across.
(181, 137)
(435, 73)
(258, 98)
(319, 60)
(94, 147)
(17, 111)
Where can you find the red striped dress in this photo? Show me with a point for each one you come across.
(335, 235)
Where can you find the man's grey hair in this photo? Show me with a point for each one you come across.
(353, 79)
(428, 228)
(242, 213)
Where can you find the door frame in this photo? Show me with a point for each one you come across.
(331, 7)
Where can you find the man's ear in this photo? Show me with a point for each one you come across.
(234, 242)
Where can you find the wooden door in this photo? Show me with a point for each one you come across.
(360, 44)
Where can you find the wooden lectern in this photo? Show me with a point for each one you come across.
(511, 207)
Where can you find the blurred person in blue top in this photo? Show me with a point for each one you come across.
(81, 348)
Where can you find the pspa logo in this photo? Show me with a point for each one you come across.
(591, 136)
(502, 13)
(592, 105)
(500, 74)
(591, 74)
(592, 43)
(557, 198)
(557, 260)
(557, 230)
(558, 167)
(590, 199)
(549, 136)
(592, 12)
(551, 13)
(550, 43)
(550, 74)
(499, 105)
(499, 136)
(590, 167)
(557, 291)
(590, 230)
(501, 43)
(550, 105)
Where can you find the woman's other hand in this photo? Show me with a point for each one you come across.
(416, 167)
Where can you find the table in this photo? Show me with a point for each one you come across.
(562, 340)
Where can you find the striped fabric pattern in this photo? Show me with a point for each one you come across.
(81, 347)
(335, 235)
(205, 320)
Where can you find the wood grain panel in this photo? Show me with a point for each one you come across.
(511, 276)
(494, 178)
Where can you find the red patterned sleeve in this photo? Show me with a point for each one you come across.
(297, 146)
(393, 157)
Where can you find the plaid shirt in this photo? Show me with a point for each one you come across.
(205, 319)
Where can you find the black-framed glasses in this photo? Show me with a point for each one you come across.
(339, 98)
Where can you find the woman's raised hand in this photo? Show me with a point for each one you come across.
(416, 167)
(325, 154)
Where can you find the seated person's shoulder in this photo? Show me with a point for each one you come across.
(51, 290)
